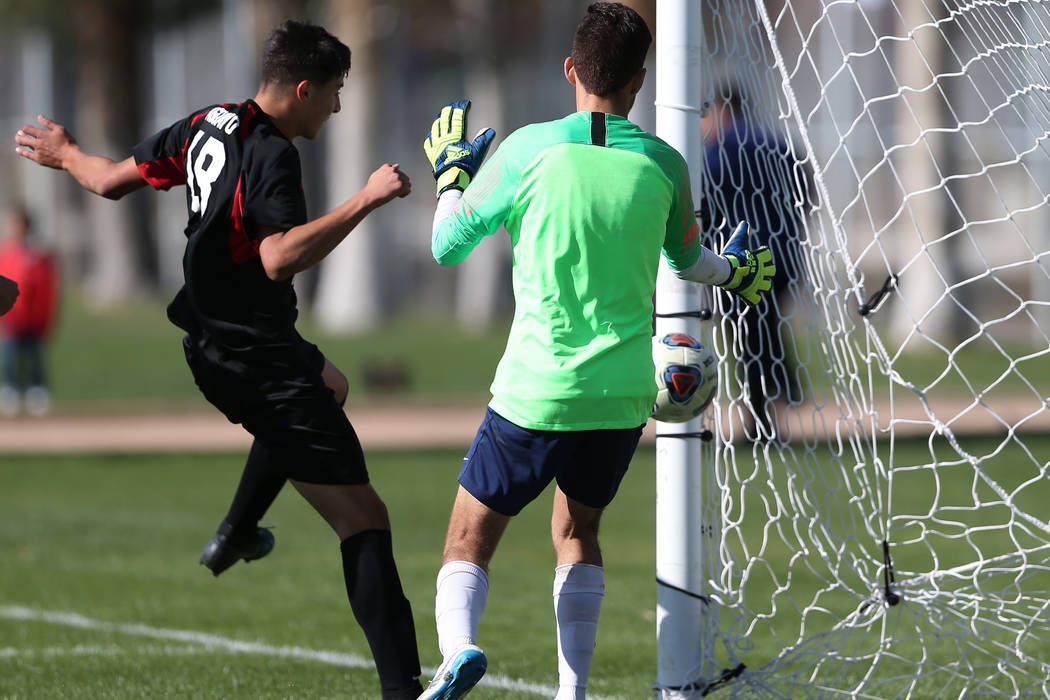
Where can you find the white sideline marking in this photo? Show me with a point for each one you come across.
(214, 641)
(97, 650)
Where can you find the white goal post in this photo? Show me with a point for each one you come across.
(865, 509)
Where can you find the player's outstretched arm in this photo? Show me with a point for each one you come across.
(52, 146)
(746, 273)
(283, 253)
(8, 294)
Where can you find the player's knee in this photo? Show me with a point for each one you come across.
(337, 382)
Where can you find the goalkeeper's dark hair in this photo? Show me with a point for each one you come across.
(609, 47)
(297, 51)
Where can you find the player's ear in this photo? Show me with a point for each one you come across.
(570, 71)
(636, 84)
(302, 90)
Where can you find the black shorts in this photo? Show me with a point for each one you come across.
(280, 398)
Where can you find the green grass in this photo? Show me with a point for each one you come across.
(115, 539)
(130, 358)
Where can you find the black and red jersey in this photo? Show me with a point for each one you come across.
(241, 174)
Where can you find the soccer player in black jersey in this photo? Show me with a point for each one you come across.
(248, 234)
(8, 294)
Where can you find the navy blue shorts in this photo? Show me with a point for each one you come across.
(508, 466)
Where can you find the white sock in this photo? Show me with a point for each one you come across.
(462, 591)
(578, 591)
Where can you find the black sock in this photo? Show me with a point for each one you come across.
(261, 481)
(385, 615)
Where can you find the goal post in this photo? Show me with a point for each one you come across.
(686, 500)
(868, 517)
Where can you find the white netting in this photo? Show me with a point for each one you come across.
(900, 454)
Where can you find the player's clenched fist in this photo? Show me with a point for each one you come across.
(8, 294)
(388, 182)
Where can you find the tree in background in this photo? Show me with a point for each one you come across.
(125, 64)
(120, 258)
(102, 42)
(349, 293)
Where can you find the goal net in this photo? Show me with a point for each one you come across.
(879, 471)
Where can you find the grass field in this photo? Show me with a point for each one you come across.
(101, 595)
(116, 539)
(130, 358)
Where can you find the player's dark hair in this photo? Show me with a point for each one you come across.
(298, 51)
(609, 47)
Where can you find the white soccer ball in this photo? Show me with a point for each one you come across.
(686, 377)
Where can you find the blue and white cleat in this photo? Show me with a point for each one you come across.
(457, 675)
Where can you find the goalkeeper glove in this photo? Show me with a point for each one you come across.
(453, 159)
(752, 270)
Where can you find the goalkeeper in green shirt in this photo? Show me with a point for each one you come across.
(589, 201)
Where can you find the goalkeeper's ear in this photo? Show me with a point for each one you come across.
(637, 82)
(570, 71)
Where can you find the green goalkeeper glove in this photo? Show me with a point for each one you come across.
(752, 270)
(453, 159)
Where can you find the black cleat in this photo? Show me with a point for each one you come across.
(223, 549)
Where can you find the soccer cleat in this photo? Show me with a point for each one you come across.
(223, 550)
(457, 675)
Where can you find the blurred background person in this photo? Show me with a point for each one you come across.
(28, 324)
(750, 175)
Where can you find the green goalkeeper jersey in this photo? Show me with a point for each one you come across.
(589, 201)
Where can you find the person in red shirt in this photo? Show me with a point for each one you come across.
(26, 327)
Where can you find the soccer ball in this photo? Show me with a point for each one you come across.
(686, 377)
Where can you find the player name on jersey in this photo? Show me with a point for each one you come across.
(222, 119)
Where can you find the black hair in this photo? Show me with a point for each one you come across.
(731, 93)
(297, 51)
(609, 47)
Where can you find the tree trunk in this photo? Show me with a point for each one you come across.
(919, 62)
(37, 98)
(121, 257)
(479, 278)
(348, 292)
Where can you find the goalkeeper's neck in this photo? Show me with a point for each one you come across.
(619, 102)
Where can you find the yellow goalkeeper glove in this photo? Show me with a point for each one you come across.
(752, 270)
(453, 159)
